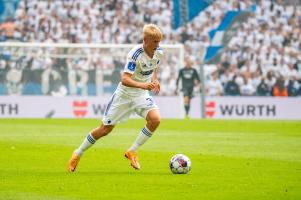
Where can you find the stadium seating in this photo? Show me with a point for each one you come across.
(267, 40)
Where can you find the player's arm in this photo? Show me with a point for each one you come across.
(155, 80)
(126, 80)
(197, 79)
(177, 82)
(129, 70)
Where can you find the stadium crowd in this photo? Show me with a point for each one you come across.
(263, 58)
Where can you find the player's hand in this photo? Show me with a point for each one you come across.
(156, 89)
(148, 86)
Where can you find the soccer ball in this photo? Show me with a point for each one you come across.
(180, 164)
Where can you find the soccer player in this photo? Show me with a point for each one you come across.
(190, 78)
(132, 96)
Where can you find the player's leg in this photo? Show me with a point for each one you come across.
(187, 98)
(89, 140)
(187, 105)
(92, 137)
(113, 113)
(152, 123)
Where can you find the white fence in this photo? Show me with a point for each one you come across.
(170, 107)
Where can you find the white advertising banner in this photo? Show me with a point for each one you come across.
(170, 107)
(72, 107)
(279, 108)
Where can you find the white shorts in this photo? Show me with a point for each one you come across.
(121, 106)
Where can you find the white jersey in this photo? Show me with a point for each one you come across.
(142, 67)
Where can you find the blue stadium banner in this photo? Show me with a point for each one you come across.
(220, 37)
(8, 9)
(185, 10)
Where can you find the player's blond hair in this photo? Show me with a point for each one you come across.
(153, 31)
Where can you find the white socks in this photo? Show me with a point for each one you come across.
(144, 135)
(87, 143)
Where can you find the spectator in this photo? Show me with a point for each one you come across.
(9, 28)
(294, 87)
(214, 85)
(279, 89)
(232, 88)
(263, 89)
(247, 89)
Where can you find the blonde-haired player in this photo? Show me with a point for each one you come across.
(132, 96)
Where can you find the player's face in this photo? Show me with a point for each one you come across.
(151, 44)
(188, 63)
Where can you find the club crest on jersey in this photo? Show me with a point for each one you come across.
(131, 66)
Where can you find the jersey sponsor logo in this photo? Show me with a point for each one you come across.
(132, 66)
(144, 73)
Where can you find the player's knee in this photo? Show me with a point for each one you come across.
(155, 122)
(102, 130)
(107, 129)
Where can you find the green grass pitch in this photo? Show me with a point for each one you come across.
(230, 160)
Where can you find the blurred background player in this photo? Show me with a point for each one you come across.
(189, 78)
(132, 96)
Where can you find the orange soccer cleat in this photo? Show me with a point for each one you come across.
(132, 156)
(73, 162)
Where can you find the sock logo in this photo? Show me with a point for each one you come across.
(210, 109)
(80, 108)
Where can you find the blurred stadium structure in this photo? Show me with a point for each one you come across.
(246, 48)
(61, 69)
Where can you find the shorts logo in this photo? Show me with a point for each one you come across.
(150, 101)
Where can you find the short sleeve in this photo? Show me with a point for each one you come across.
(159, 55)
(131, 64)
